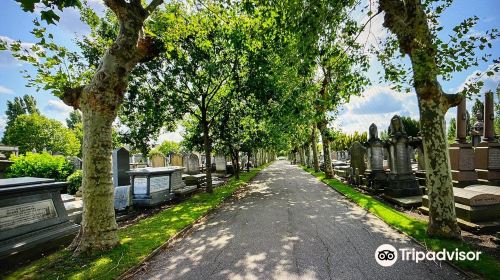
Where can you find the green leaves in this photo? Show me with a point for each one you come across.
(47, 7)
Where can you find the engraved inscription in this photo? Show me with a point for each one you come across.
(377, 158)
(26, 213)
(140, 185)
(159, 183)
(494, 159)
(466, 159)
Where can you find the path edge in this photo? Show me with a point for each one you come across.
(469, 274)
(184, 232)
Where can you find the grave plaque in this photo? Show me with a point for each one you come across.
(494, 159)
(159, 183)
(122, 197)
(466, 159)
(26, 213)
(151, 186)
(33, 219)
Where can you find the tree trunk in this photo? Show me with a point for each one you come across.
(407, 19)
(327, 160)
(314, 143)
(208, 157)
(248, 161)
(442, 216)
(98, 227)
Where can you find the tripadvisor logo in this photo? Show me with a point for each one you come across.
(387, 255)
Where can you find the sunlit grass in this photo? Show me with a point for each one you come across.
(487, 266)
(136, 241)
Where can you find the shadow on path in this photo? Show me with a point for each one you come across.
(289, 226)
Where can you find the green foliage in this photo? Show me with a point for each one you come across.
(74, 181)
(487, 265)
(47, 7)
(461, 50)
(137, 241)
(412, 127)
(343, 142)
(20, 106)
(36, 132)
(168, 147)
(452, 130)
(42, 165)
(74, 119)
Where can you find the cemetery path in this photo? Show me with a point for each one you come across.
(289, 226)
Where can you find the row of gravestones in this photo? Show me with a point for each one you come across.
(477, 206)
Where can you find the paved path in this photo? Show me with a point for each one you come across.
(289, 226)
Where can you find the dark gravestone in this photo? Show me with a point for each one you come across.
(33, 219)
(375, 175)
(401, 181)
(358, 165)
(121, 165)
(121, 179)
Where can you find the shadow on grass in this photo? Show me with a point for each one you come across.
(136, 241)
(487, 266)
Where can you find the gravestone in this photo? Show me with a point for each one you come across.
(401, 179)
(176, 160)
(375, 175)
(487, 153)
(358, 165)
(220, 165)
(153, 186)
(33, 219)
(121, 179)
(121, 165)
(191, 164)
(462, 153)
(77, 162)
(157, 160)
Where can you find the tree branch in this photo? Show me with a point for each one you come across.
(71, 96)
(119, 7)
(153, 5)
(452, 100)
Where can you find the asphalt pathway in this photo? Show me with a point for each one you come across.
(289, 226)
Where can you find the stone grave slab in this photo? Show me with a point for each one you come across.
(475, 197)
(152, 186)
(33, 219)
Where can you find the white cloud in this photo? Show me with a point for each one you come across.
(6, 58)
(175, 136)
(5, 90)
(58, 107)
(376, 105)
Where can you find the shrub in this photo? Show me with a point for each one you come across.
(42, 165)
(74, 181)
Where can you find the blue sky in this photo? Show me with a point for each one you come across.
(377, 104)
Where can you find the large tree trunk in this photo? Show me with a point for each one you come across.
(98, 227)
(409, 22)
(208, 156)
(99, 102)
(314, 143)
(442, 216)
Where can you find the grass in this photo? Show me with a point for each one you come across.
(487, 266)
(136, 241)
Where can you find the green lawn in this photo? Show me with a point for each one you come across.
(487, 266)
(136, 241)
